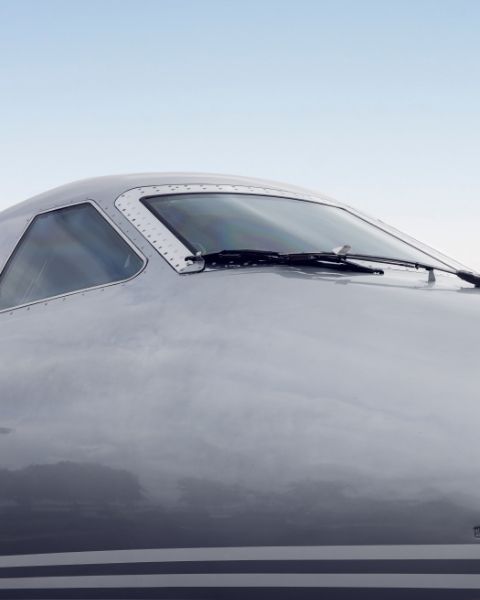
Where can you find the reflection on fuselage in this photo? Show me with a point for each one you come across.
(71, 507)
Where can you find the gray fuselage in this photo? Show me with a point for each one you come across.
(248, 407)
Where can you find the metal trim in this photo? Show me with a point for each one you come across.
(83, 290)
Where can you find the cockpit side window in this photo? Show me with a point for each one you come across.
(66, 250)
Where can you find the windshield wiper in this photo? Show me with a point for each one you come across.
(338, 260)
(247, 257)
(468, 276)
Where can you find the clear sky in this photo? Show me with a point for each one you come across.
(376, 103)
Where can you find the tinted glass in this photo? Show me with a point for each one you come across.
(62, 251)
(213, 222)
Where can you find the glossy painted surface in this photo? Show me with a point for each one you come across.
(237, 408)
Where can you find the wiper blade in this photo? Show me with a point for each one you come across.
(248, 257)
(468, 276)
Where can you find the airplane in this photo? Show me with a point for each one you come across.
(223, 387)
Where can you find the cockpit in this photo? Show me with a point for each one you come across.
(79, 247)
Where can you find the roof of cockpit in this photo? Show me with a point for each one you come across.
(109, 187)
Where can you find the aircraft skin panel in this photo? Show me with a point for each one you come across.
(238, 432)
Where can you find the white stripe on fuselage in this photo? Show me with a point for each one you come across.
(241, 580)
(386, 552)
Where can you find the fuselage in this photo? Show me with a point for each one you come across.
(265, 407)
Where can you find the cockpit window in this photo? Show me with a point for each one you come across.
(211, 222)
(63, 251)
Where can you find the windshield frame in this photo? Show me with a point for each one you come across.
(175, 248)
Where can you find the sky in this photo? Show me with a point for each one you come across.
(376, 103)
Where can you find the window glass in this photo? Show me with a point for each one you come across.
(213, 222)
(63, 251)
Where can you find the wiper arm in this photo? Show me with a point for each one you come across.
(329, 260)
(468, 276)
(235, 257)
(247, 257)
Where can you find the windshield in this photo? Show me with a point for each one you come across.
(211, 222)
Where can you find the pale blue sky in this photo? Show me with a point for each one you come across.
(376, 103)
